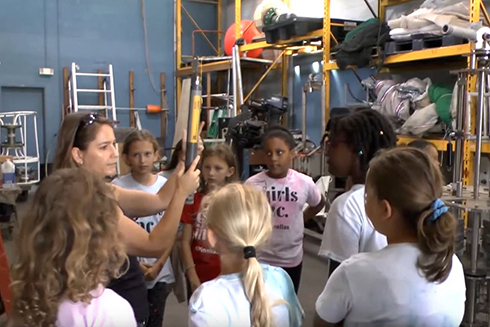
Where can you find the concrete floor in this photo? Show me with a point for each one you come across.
(312, 283)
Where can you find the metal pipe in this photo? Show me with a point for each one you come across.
(235, 87)
(74, 87)
(459, 148)
(324, 127)
(479, 125)
(263, 76)
(239, 75)
(475, 241)
(193, 36)
(290, 93)
(228, 93)
(199, 28)
(303, 116)
(485, 12)
(470, 304)
(485, 109)
(202, 1)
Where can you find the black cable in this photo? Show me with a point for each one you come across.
(352, 94)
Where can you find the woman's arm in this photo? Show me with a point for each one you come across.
(139, 242)
(189, 266)
(136, 203)
(141, 204)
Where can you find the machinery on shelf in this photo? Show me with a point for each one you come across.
(473, 202)
(21, 124)
(269, 12)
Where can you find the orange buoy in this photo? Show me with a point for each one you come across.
(249, 31)
(153, 109)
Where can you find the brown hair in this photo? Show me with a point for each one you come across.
(139, 135)
(240, 215)
(174, 159)
(68, 244)
(422, 144)
(410, 181)
(76, 131)
(225, 153)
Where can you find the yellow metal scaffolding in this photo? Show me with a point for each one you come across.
(415, 58)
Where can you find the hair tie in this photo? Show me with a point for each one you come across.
(439, 208)
(249, 252)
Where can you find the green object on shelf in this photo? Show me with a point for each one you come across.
(213, 130)
(442, 95)
(352, 33)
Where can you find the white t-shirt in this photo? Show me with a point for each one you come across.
(166, 275)
(287, 197)
(385, 289)
(107, 309)
(222, 302)
(348, 230)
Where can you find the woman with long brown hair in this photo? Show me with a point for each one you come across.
(416, 280)
(87, 140)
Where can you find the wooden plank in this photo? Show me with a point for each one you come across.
(205, 68)
(132, 118)
(183, 116)
(164, 105)
(66, 93)
(100, 81)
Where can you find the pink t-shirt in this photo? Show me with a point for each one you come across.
(107, 309)
(287, 197)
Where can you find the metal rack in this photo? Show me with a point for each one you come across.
(433, 56)
(23, 158)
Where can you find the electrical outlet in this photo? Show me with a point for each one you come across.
(46, 71)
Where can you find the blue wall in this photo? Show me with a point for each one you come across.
(338, 79)
(93, 33)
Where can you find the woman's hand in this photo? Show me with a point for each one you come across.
(189, 181)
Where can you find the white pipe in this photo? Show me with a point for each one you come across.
(466, 33)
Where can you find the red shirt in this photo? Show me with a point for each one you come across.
(205, 258)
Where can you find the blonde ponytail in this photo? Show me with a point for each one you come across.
(260, 307)
(241, 216)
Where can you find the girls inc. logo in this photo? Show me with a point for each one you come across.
(281, 196)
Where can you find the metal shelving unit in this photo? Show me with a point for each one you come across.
(415, 58)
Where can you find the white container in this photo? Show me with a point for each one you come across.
(8, 174)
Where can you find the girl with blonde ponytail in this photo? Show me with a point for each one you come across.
(247, 293)
(416, 280)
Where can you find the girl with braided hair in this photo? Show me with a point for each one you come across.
(416, 280)
(353, 141)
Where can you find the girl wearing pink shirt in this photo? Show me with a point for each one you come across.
(69, 248)
(287, 191)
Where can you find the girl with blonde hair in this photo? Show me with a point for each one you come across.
(246, 293)
(69, 248)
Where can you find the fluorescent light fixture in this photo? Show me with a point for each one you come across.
(297, 70)
(316, 67)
